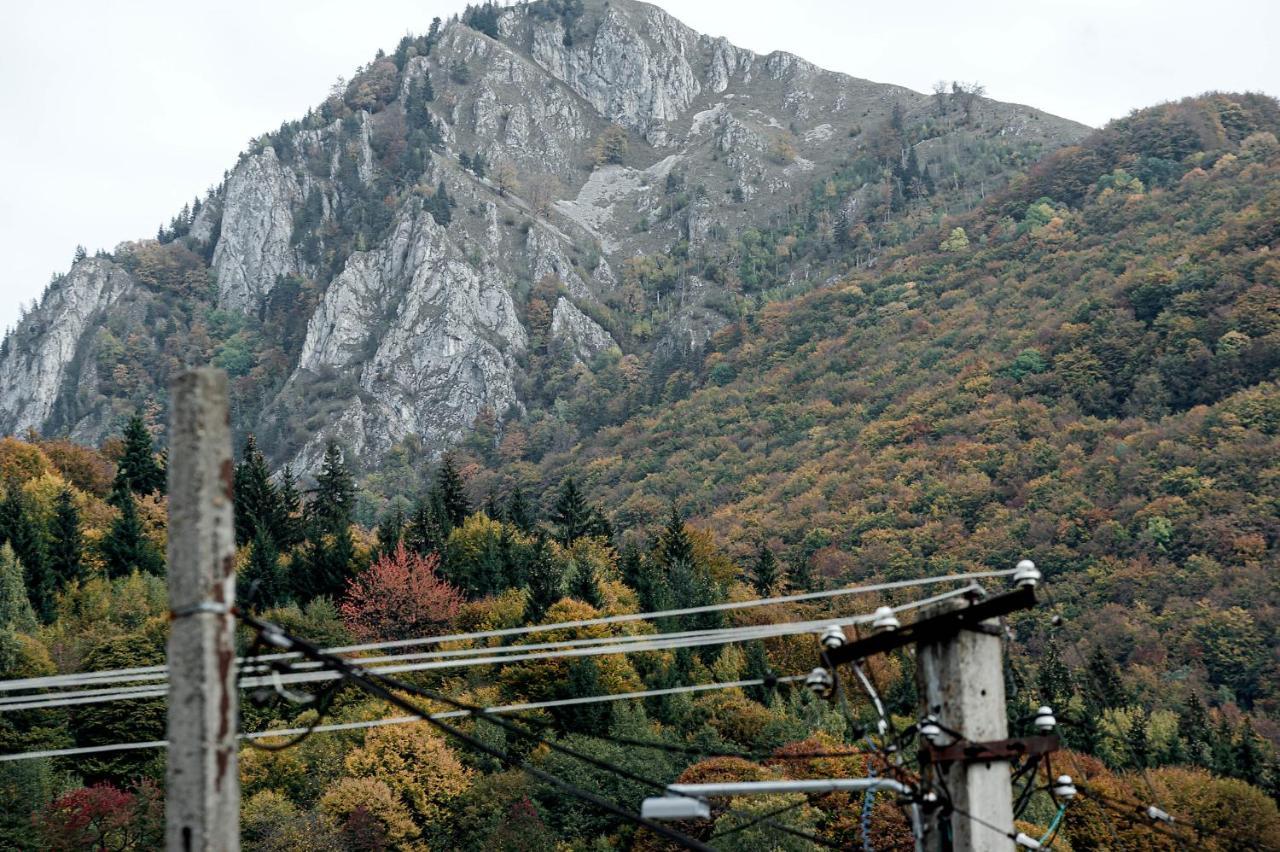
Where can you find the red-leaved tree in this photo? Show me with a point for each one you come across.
(103, 818)
(399, 597)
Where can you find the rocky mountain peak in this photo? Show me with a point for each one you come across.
(482, 216)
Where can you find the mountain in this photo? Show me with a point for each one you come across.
(1085, 368)
(522, 205)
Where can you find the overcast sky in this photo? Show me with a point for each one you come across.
(115, 114)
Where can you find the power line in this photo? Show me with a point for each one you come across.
(488, 656)
(401, 720)
(157, 672)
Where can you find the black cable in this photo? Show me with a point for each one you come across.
(375, 686)
(1133, 807)
(563, 749)
(759, 819)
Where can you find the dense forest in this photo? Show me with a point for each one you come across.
(1084, 368)
(82, 588)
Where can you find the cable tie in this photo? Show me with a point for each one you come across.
(201, 608)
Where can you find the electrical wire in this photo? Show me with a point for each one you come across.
(157, 672)
(401, 720)
(388, 690)
(490, 656)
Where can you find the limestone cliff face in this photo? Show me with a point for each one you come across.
(432, 337)
(253, 245)
(39, 359)
(346, 301)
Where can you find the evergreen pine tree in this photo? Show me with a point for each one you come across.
(546, 582)
(287, 527)
(674, 545)
(334, 497)
(1106, 680)
(1223, 748)
(19, 527)
(758, 669)
(16, 612)
(1193, 729)
(1053, 679)
(519, 514)
(583, 679)
(259, 585)
(1251, 762)
(257, 504)
(630, 564)
(423, 534)
(513, 566)
(66, 542)
(586, 586)
(125, 548)
(1137, 740)
(570, 514)
(390, 533)
(453, 493)
(765, 574)
(137, 465)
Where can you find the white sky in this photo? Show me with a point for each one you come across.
(115, 114)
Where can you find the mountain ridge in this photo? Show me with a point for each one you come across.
(292, 238)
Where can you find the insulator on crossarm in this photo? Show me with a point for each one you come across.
(820, 682)
(1064, 787)
(1026, 574)
(832, 637)
(930, 730)
(1045, 721)
(884, 620)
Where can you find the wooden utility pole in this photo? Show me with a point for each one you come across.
(960, 677)
(202, 801)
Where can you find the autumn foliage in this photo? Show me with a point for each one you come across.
(399, 597)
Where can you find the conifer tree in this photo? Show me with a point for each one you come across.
(423, 534)
(1250, 761)
(1193, 728)
(137, 466)
(390, 533)
(491, 509)
(583, 679)
(1106, 680)
(289, 523)
(257, 504)
(259, 585)
(674, 545)
(765, 574)
(327, 560)
(334, 498)
(586, 586)
(1053, 679)
(1223, 748)
(1137, 740)
(19, 528)
(570, 514)
(629, 564)
(66, 542)
(546, 582)
(125, 548)
(758, 669)
(16, 612)
(518, 511)
(453, 493)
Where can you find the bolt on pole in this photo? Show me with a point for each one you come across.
(202, 801)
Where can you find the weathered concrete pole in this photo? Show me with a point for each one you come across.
(960, 678)
(202, 802)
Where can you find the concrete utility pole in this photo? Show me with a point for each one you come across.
(202, 802)
(960, 675)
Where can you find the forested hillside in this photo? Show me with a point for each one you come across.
(1083, 370)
